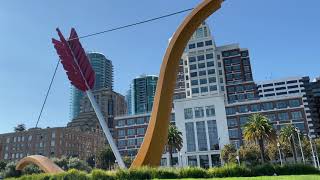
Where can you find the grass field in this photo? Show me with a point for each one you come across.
(302, 177)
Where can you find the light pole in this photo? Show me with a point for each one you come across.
(278, 145)
(313, 155)
(298, 132)
(237, 157)
(317, 157)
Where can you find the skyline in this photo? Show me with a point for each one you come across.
(34, 76)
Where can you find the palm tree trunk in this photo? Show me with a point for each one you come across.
(170, 156)
(293, 150)
(261, 145)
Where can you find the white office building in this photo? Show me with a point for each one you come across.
(203, 123)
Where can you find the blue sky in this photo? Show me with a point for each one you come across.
(282, 36)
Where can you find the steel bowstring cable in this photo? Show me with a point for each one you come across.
(48, 91)
(99, 33)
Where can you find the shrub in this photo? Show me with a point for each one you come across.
(263, 170)
(31, 169)
(76, 163)
(10, 170)
(165, 173)
(193, 172)
(141, 173)
(295, 169)
(98, 174)
(230, 170)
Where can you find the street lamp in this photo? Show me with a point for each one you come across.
(278, 145)
(237, 157)
(313, 155)
(298, 132)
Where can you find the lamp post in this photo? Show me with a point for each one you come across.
(237, 157)
(298, 132)
(278, 145)
(317, 157)
(313, 155)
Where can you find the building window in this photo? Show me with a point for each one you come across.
(194, 74)
(213, 135)
(140, 120)
(243, 109)
(193, 66)
(191, 142)
(192, 46)
(122, 143)
(212, 79)
(231, 110)
(204, 161)
(281, 104)
(192, 59)
(232, 122)
(201, 65)
(194, 82)
(208, 43)
(233, 133)
(202, 137)
(121, 133)
(200, 44)
(202, 73)
(255, 107)
(121, 123)
(294, 103)
(131, 132)
(200, 58)
(213, 88)
(52, 143)
(198, 112)
(210, 111)
(8, 140)
(131, 142)
(139, 141)
(188, 114)
(209, 56)
(271, 117)
(195, 90)
(243, 120)
(283, 116)
(296, 115)
(203, 81)
(192, 161)
(131, 122)
(140, 131)
(267, 106)
(204, 89)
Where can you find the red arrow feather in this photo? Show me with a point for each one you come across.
(75, 61)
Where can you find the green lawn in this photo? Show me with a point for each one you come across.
(302, 177)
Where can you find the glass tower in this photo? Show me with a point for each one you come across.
(104, 79)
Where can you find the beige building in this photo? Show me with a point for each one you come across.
(50, 142)
(111, 104)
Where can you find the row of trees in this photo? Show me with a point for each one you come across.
(262, 140)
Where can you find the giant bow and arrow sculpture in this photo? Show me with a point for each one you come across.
(81, 75)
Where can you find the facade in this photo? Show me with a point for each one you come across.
(111, 104)
(237, 73)
(129, 132)
(280, 111)
(141, 93)
(103, 69)
(203, 123)
(312, 90)
(203, 72)
(50, 142)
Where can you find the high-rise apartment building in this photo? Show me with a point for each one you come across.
(141, 94)
(103, 69)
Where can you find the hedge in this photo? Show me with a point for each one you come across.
(176, 173)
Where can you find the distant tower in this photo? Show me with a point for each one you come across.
(104, 79)
(141, 94)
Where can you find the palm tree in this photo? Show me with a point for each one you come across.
(286, 134)
(20, 128)
(174, 141)
(259, 129)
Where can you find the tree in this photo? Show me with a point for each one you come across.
(259, 129)
(3, 165)
(287, 134)
(272, 151)
(174, 141)
(20, 128)
(229, 153)
(91, 161)
(76, 163)
(61, 162)
(105, 158)
(249, 153)
(127, 161)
